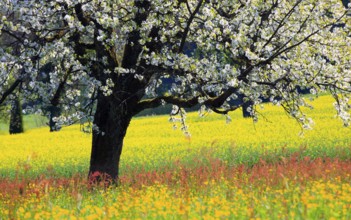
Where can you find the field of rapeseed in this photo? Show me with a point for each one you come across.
(240, 170)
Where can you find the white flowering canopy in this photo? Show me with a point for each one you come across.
(213, 52)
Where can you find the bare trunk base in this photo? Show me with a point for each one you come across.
(112, 122)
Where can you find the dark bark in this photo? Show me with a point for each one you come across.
(54, 108)
(9, 91)
(112, 119)
(16, 121)
(54, 111)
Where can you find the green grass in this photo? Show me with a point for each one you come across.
(29, 122)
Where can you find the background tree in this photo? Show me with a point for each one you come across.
(52, 105)
(16, 118)
(276, 47)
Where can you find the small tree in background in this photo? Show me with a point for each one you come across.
(16, 118)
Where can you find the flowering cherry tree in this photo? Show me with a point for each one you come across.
(117, 54)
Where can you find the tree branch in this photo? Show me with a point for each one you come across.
(213, 103)
(281, 23)
(187, 28)
(80, 14)
(9, 91)
(133, 48)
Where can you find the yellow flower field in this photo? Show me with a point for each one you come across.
(241, 170)
(225, 201)
(151, 141)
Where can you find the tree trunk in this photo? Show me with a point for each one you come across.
(16, 121)
(54, 111)
(112, 120)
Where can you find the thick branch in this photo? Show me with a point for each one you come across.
(80, 15)
(226, 111)
(9, 91)
(153, 103)
(55, 100)
(133, 48)
(213, 103)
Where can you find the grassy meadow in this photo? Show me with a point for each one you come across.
(240, 170)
